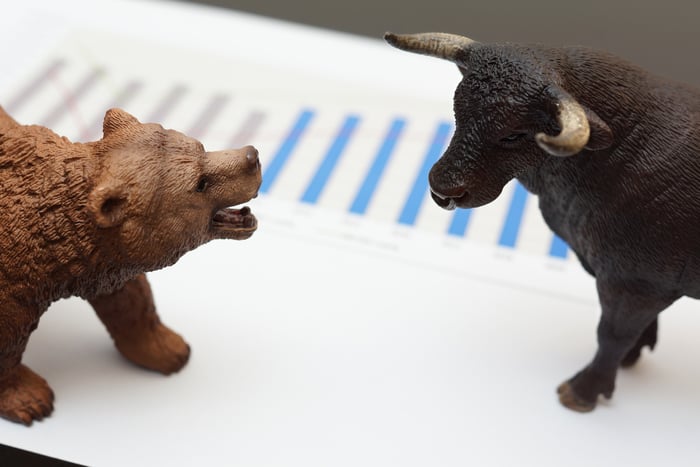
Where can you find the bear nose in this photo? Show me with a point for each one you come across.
(252, 158)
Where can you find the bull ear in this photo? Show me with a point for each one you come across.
(116, 119)
(580, 127)
(108, 205)
(601, 135)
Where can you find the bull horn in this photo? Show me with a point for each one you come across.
(434, 44)
(575, 130)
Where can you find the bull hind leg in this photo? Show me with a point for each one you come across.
(130, 317)
(647, 339)
(629, 311)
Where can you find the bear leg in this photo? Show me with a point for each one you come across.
(130, 317)
(24, 396)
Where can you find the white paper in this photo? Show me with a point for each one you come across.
(330, 337)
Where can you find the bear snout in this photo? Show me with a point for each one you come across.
(238, 172)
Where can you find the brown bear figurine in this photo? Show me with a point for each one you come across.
(90, 219)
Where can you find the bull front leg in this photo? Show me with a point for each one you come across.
(628, 322)
(24, 395)
(129, 314)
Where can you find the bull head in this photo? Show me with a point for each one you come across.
(507, 101)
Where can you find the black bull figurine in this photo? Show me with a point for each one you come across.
(612, 152)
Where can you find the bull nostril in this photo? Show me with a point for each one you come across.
(449, 202)
(443, 202)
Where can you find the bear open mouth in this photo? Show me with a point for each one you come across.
(237, 224)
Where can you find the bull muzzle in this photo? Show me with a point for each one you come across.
(446, 190)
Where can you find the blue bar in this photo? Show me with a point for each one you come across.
(460, 221)
(511, 227)
(420, 186)
(559, 248)
(318, 182)
(359, 205)
(283, 153)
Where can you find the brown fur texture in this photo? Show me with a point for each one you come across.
(90, 219)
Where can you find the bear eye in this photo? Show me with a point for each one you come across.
(202, 184)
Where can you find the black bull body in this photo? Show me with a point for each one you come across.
(612, 152)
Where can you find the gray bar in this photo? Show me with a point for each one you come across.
(93, 131)
(248, 130)
(34, 85)
(72, 98)
(213, 108)
(167, 104)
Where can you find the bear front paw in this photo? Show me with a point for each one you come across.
(25, 396)
(158, 349)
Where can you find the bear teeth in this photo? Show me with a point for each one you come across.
(236, 218)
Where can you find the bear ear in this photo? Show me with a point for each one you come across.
(108, 204)
(116, 119)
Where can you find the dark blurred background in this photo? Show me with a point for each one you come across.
(662, 36)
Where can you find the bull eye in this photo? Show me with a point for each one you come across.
(202, 184)
(513, 137)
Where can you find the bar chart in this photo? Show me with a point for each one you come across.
(362, 157)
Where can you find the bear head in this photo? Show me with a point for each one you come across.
(158, 194)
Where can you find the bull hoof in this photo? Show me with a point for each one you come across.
(25, 396)
(570, 400)
(160, 349)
